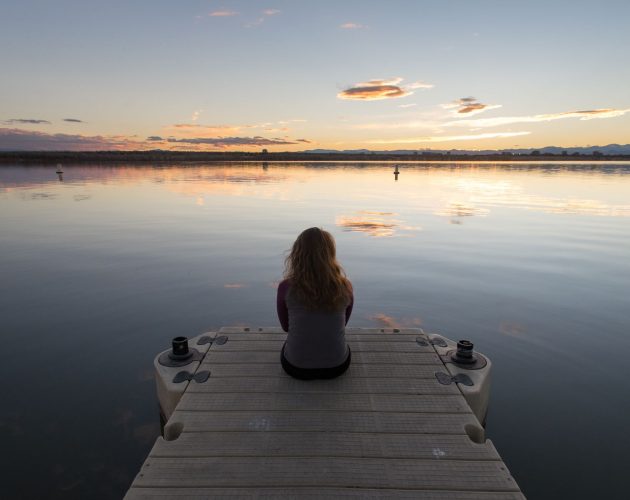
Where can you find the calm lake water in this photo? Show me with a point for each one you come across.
(100, 269)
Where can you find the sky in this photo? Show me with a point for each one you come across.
(296, 75)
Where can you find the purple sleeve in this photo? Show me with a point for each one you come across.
(349, 308)
(281, 305)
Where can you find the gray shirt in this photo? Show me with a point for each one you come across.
(316, 339)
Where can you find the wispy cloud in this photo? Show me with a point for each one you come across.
(294, 120)
(449, 138)
(223, 13)
(277, 129)
(419, 85)
(265, 14)
(20, 140)
(195, 115)
(469, 106)
(73, 120)
(375, 90)
(26, 121)
(411, 105)
(13, 139)
(203, 130)
(352, 26)
(589, 114)
(223, 142)
(415, 124)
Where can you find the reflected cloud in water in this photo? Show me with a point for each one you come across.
(235, 285)
(146, 375)
(512, 329)
(38, 196)
(453, 191)
(146, 433)
(570, 206)
(509, 194)
(375, 224)
(386, 321)
(11, 423)
(457, 209)
(123, 418)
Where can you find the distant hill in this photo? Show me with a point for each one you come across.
(610, 149)
(612, 152)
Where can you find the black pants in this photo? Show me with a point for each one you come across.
(315, 373)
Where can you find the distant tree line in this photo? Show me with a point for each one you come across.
(159, 156)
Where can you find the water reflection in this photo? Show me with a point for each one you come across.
(38, 196)
(155, 252)
(558, 205)
(512, 329)
(375, 224)
(386, 321)
(457, 209)
(510, 193)
(455, 191)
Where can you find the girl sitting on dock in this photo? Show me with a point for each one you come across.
(314, 305)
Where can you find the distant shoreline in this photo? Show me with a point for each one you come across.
(67, 157)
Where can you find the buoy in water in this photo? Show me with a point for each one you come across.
(59, 168)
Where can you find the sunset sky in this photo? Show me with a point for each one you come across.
(296, 75)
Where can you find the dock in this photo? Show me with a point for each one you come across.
(388, 428)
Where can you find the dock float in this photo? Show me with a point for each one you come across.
(403, 422)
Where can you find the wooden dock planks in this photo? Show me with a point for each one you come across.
(386, 429)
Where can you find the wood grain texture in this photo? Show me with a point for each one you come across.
(265, 330)
(306, 402)
(216, 355)
(341, 385)
(325, 421)
(325, 472)
(317, 493)
(375, 336)
(273, 369)
(324, 444)
(368, 345)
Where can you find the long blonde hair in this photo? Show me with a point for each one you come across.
(316, 277)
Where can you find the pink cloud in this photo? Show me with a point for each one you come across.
(352, 26)
(22, 140)
(223, 13)
(375, 90)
